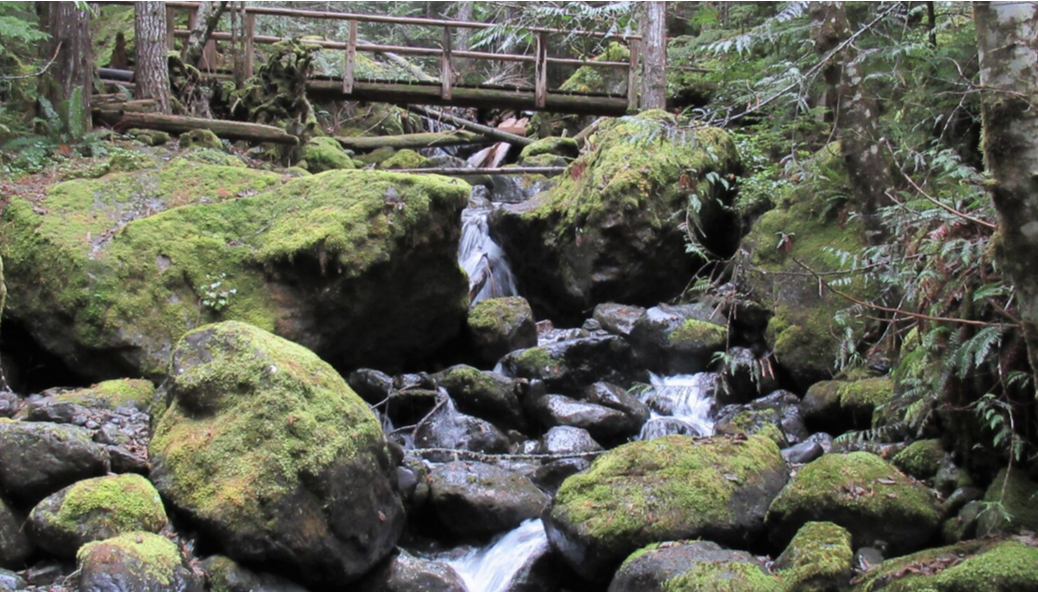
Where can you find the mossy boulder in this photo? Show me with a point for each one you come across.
(405, 159)
(679, 339)
(991, 565)
(111, 394)
(569, 366)
(836, 406)
(1018, 495)
(862, 493)
(324, 153)
(265, 448)
(666, 489)
(805, 228)
(610, 229)
(360, 266)
(701, 566)
(135, 562)
(200, 139)
(818, 559)
(552, 145)
(15, 546)
(921, 459)
(501, 325)
(484, 394)
(93, 510)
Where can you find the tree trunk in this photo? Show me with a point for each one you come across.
(463, 36)
(1007, 39)
(205, 23)
(855, 115)
(654, 55)
(151, 73)
(69, 30)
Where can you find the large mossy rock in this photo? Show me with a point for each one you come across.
(359, 266)
(818, 559)
(701, 566)
(135, 562)
(666, 489)
(498, 326)
(990, 565)
(836, 406)
(93, 510)
(325, 154)
(1018, 495)
(267, 450)
(804, 228)
(608, 231)
(862, 493)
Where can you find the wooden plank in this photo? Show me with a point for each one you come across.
(422, 140)
(232, 130)
(540, 81)
(250, 42)
(351, 58)
(171, 26)
(632, 75)
(446, 69)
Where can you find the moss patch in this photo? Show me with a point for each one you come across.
(551, 146)
(723, 577)
(1018, 496)
(150, 557)
(921, 459)
(818, 559)
(405, 159)
(200, 138)
(494, 313)
(125, 392)
(699, 334)
(325, 154)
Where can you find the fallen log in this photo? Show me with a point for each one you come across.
(174, 124)
(457, 172)
(422, 140)
(472, 126)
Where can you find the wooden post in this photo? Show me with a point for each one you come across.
(540, 84)
(171, 25)
(250, 41)
(446, 71)
(351, 58)
(192, 18)
(632, 75)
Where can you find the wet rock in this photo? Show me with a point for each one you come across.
(10, 404)
(135, 562)
(862, 493)
(486, 395)
(15, 546)
(93, 510)
(841, 405)
(818, 559)
(921, 459)
(413, 480)
(674, 566)
(404, 572)
(41, 458)
(226, 575)
(678, 339)
(567, 367)
(473, 499)
(372, 385)
(255, 417)
(822, 439)
(10, 581)
(615, 397)
(617, 319)
(749, 422)
(666, 489)
(803, 452)
(601, 422)
(501, 325)
(747, 377)
(447, 428)
(566, 439)
(550, 476)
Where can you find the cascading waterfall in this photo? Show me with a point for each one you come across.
(482, 258)
(680, 404)
(491, 568)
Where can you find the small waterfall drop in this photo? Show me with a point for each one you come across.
(481, 257)
(680, 404)
(491, 568)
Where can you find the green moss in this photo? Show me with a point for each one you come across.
(111, 505)
(247, 424)
(921, 459)
(533, 361)
(153, 557)
(651, 491)
(550, 146)
(723, 577)
(989, 565)
(110, 394)
(701, 334)
(218, 571)
(492, 313)
(867, 394)
(1018, 496)
(209, 155)
(325, 154)
(200, 138)
(376, 157)
(818, 559)
(405, 159)
(755, 422)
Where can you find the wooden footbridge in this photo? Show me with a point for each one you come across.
(532, 94)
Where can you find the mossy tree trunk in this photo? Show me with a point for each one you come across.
(855, 115)
(72, 70)
(151, 72)
(1007, 38)
(209, 14)
(654, 55)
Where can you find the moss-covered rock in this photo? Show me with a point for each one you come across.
(749, 422)
(569, 366)
(988, 565)
(862, 493)
(224, 574)
(665, 489)
(405, 159)
(678, 339)
(122, 266)
(556, 146)
(375, 157)
(1012, 500)
(818, 559)
(486, 395)
(93, 510)
(200, 138)
(135, 562)
(921, 459)
(324, 153)
(501, 325)
(110, 394)
(693, 567)
(836, 406)
(806, 228)
(267, 449)
(609, 229)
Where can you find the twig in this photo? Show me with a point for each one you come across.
(41, 72)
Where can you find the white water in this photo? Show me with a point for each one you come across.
(680, 404)
(492, 567)
(484, 261)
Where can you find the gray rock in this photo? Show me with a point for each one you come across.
(678, 339)
(568, 366)
(41, 458)
(449, 428)
(10, 581)
(565, 439)
(550, 476)
(802, 453)
(617, 319)
(478, 499)
(484, 394)
(135, 562)
(404, 572)
(372, 385)
(501, 325)
(659, 569)
(602, 423)
(15, 547)
(225, 574)
(615, 397)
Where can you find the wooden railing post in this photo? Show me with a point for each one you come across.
(250, 42)
(351, 58)
(540, 83)
(171, 25)
(446, 70)
(632, 75)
